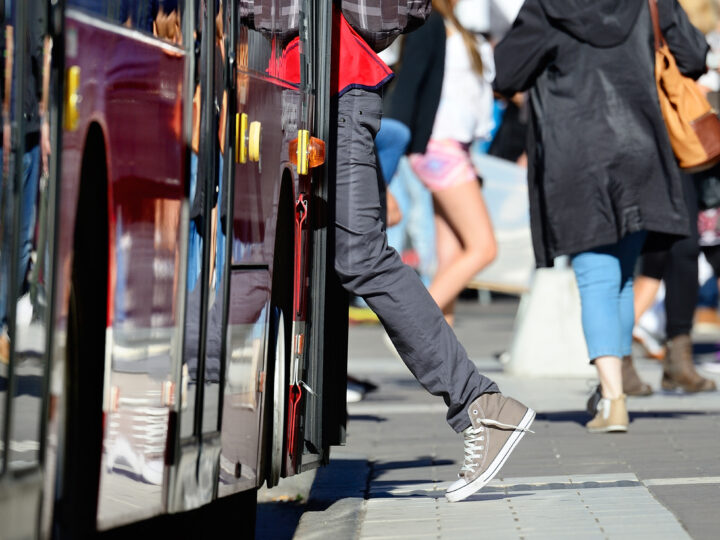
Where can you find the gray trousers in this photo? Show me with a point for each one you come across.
(369, 268)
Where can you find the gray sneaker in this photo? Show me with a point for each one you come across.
(498, 424)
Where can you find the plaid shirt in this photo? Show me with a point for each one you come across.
(378, 22)
(358, 65)
(259, 14)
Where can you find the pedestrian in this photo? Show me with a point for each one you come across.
(464, 237)
(678, 268)
(601, 170)
(492, 424)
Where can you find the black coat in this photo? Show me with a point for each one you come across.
(600, 161)
(415, 94)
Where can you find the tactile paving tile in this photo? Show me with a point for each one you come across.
(585, 506)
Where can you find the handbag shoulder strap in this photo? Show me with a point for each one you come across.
(659, 38)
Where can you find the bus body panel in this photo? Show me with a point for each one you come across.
(131, 86)
(134, 101)
(255, 217)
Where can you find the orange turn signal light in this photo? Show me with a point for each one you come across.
(306, 152)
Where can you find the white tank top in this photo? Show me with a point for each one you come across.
(465, 112)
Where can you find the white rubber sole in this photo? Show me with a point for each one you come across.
(619, 428)
(481, 481)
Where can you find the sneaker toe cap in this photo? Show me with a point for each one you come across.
(457, 484)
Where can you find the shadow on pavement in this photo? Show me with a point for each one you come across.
(488, 496)
(582, 417)
(422, 461)
(367, 418)
(278, 521)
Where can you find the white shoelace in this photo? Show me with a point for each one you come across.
(475, 441)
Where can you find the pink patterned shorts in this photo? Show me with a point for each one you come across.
(444, 164)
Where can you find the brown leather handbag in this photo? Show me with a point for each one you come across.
(692, 124)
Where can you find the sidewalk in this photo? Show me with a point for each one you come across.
(660, 480)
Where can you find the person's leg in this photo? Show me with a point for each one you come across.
(605, 285)
(632, 384)
(195, 239)
(604, 278)
(367, 267)
(420, 228)
(646, 289)
(448, 250)
(681, 273)
(31, 178)
(391, 142)
(396, 233)
(681, 283)
(463, 208)
(647, 284)
(628, 251)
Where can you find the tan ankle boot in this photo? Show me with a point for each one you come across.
(632, 383)
(611, 417)
(679, 369)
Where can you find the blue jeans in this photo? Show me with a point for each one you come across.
(195, 240)
(220, 250)
(708, 294)
(605, 280)
(391, 142)
(31, 177)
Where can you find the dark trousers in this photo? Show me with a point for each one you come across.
(369, 268)
(678, 267)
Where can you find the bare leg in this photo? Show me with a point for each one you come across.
(394, 213)
(646, 289)
(610, 373)
(449, 249)
(463, 208)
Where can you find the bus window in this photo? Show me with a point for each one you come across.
(158, 17)
(218, 227)
(198, 191)
(6, 216)
(123, 181)
(23, 246)
(267, 26)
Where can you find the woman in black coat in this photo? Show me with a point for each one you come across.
(601, 170)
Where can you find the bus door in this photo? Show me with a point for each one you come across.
(26, 251)
(263, 110)
(324, 366)
(194, 475)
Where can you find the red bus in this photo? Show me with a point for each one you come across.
(173, 335)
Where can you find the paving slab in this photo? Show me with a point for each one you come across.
(660, 480)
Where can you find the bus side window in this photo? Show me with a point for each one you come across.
(255, 44)
(264, 33)
(160, 18)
